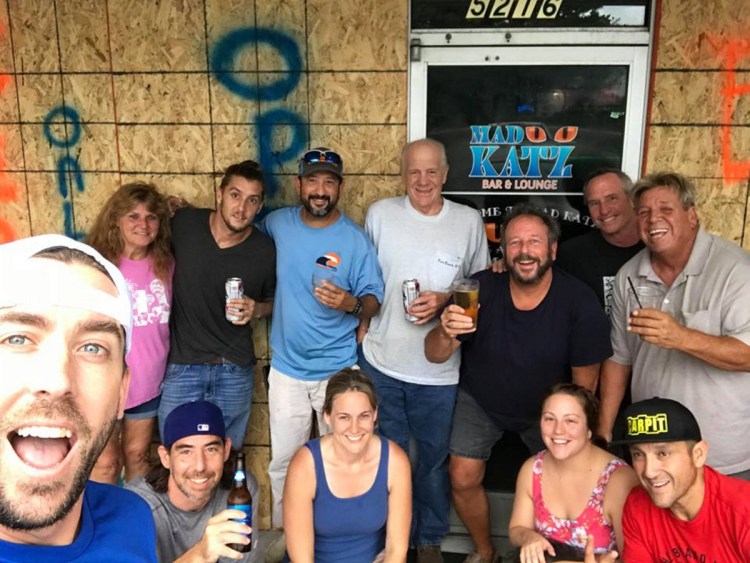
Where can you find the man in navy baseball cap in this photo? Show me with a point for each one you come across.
(185, 492)
(684, 508)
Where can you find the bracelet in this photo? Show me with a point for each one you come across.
(357, 308)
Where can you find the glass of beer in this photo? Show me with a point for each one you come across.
(466, 295)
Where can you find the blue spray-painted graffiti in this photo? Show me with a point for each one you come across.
(268, 123)
(231, 45)
(68, 169)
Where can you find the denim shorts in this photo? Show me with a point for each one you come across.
(475, 433)
(149, 409)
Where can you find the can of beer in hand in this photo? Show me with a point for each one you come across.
(410, 291)
(234, 290)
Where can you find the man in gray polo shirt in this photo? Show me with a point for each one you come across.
(694, 348)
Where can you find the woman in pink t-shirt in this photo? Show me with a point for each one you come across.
(132, 231)
(571, 490)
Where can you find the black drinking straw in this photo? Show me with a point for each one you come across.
(635, 293)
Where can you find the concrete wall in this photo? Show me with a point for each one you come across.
(95, 93)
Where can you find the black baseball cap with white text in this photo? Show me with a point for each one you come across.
(655, 420)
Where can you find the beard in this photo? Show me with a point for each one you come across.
(541, 269)
(320, 211)
(41, 501)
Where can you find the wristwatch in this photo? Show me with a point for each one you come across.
(357, 308)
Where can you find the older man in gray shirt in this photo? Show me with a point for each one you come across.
(694, 346)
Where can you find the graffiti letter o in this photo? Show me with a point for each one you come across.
(226, 50)
(70, 116)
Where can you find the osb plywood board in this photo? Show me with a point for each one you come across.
(35, 39)
(6, 54)
(165, 114)
(82, 26)
(258, 433)
(14, 210)
(96, 149)
(362, 35)
(87, 204)
(38, 95)
(228, 107)
(90, 95)
(45, 203)
(286, 194)
(257, 460)
(687, 97)
(166, 148)
(162, 98)
(363, 191)
(286, 15)
(366, 149)
(358, 97)
(694, 151)
(39, 154)
(285, 91)
(198, 189)
(11, 156)
(8, 101)
(721, 208)
(260, 341)
(163, 35)
(226, 14)
(695, 34)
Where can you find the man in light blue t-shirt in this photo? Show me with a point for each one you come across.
(313, 333)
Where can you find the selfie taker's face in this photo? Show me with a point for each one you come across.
(62, 386)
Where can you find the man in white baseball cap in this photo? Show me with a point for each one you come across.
(65, 328)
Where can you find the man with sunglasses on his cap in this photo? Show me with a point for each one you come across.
(184, 490)
(314, 323)
(65, 327)
(684, 510)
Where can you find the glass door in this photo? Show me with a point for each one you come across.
(530, 122)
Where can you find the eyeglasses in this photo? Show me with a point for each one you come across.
(315, 156)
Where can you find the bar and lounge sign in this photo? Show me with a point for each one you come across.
(521, 156)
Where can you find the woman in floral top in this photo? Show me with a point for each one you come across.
(573, 489)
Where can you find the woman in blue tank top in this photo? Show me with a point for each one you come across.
(347, 496)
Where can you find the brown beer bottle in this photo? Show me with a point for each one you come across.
(239, 499)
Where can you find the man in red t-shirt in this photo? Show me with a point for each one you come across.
(684, 509)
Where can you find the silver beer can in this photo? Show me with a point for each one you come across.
(409, 291)
(234, 290)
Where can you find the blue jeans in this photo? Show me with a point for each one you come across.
(424, 412)
(227, 385)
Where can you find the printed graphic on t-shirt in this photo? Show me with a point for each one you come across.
(443, 268)
(150, 306)
(680, 553)
(330, 261)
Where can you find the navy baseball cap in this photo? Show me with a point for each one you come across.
(193, 419)
(655, 420)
